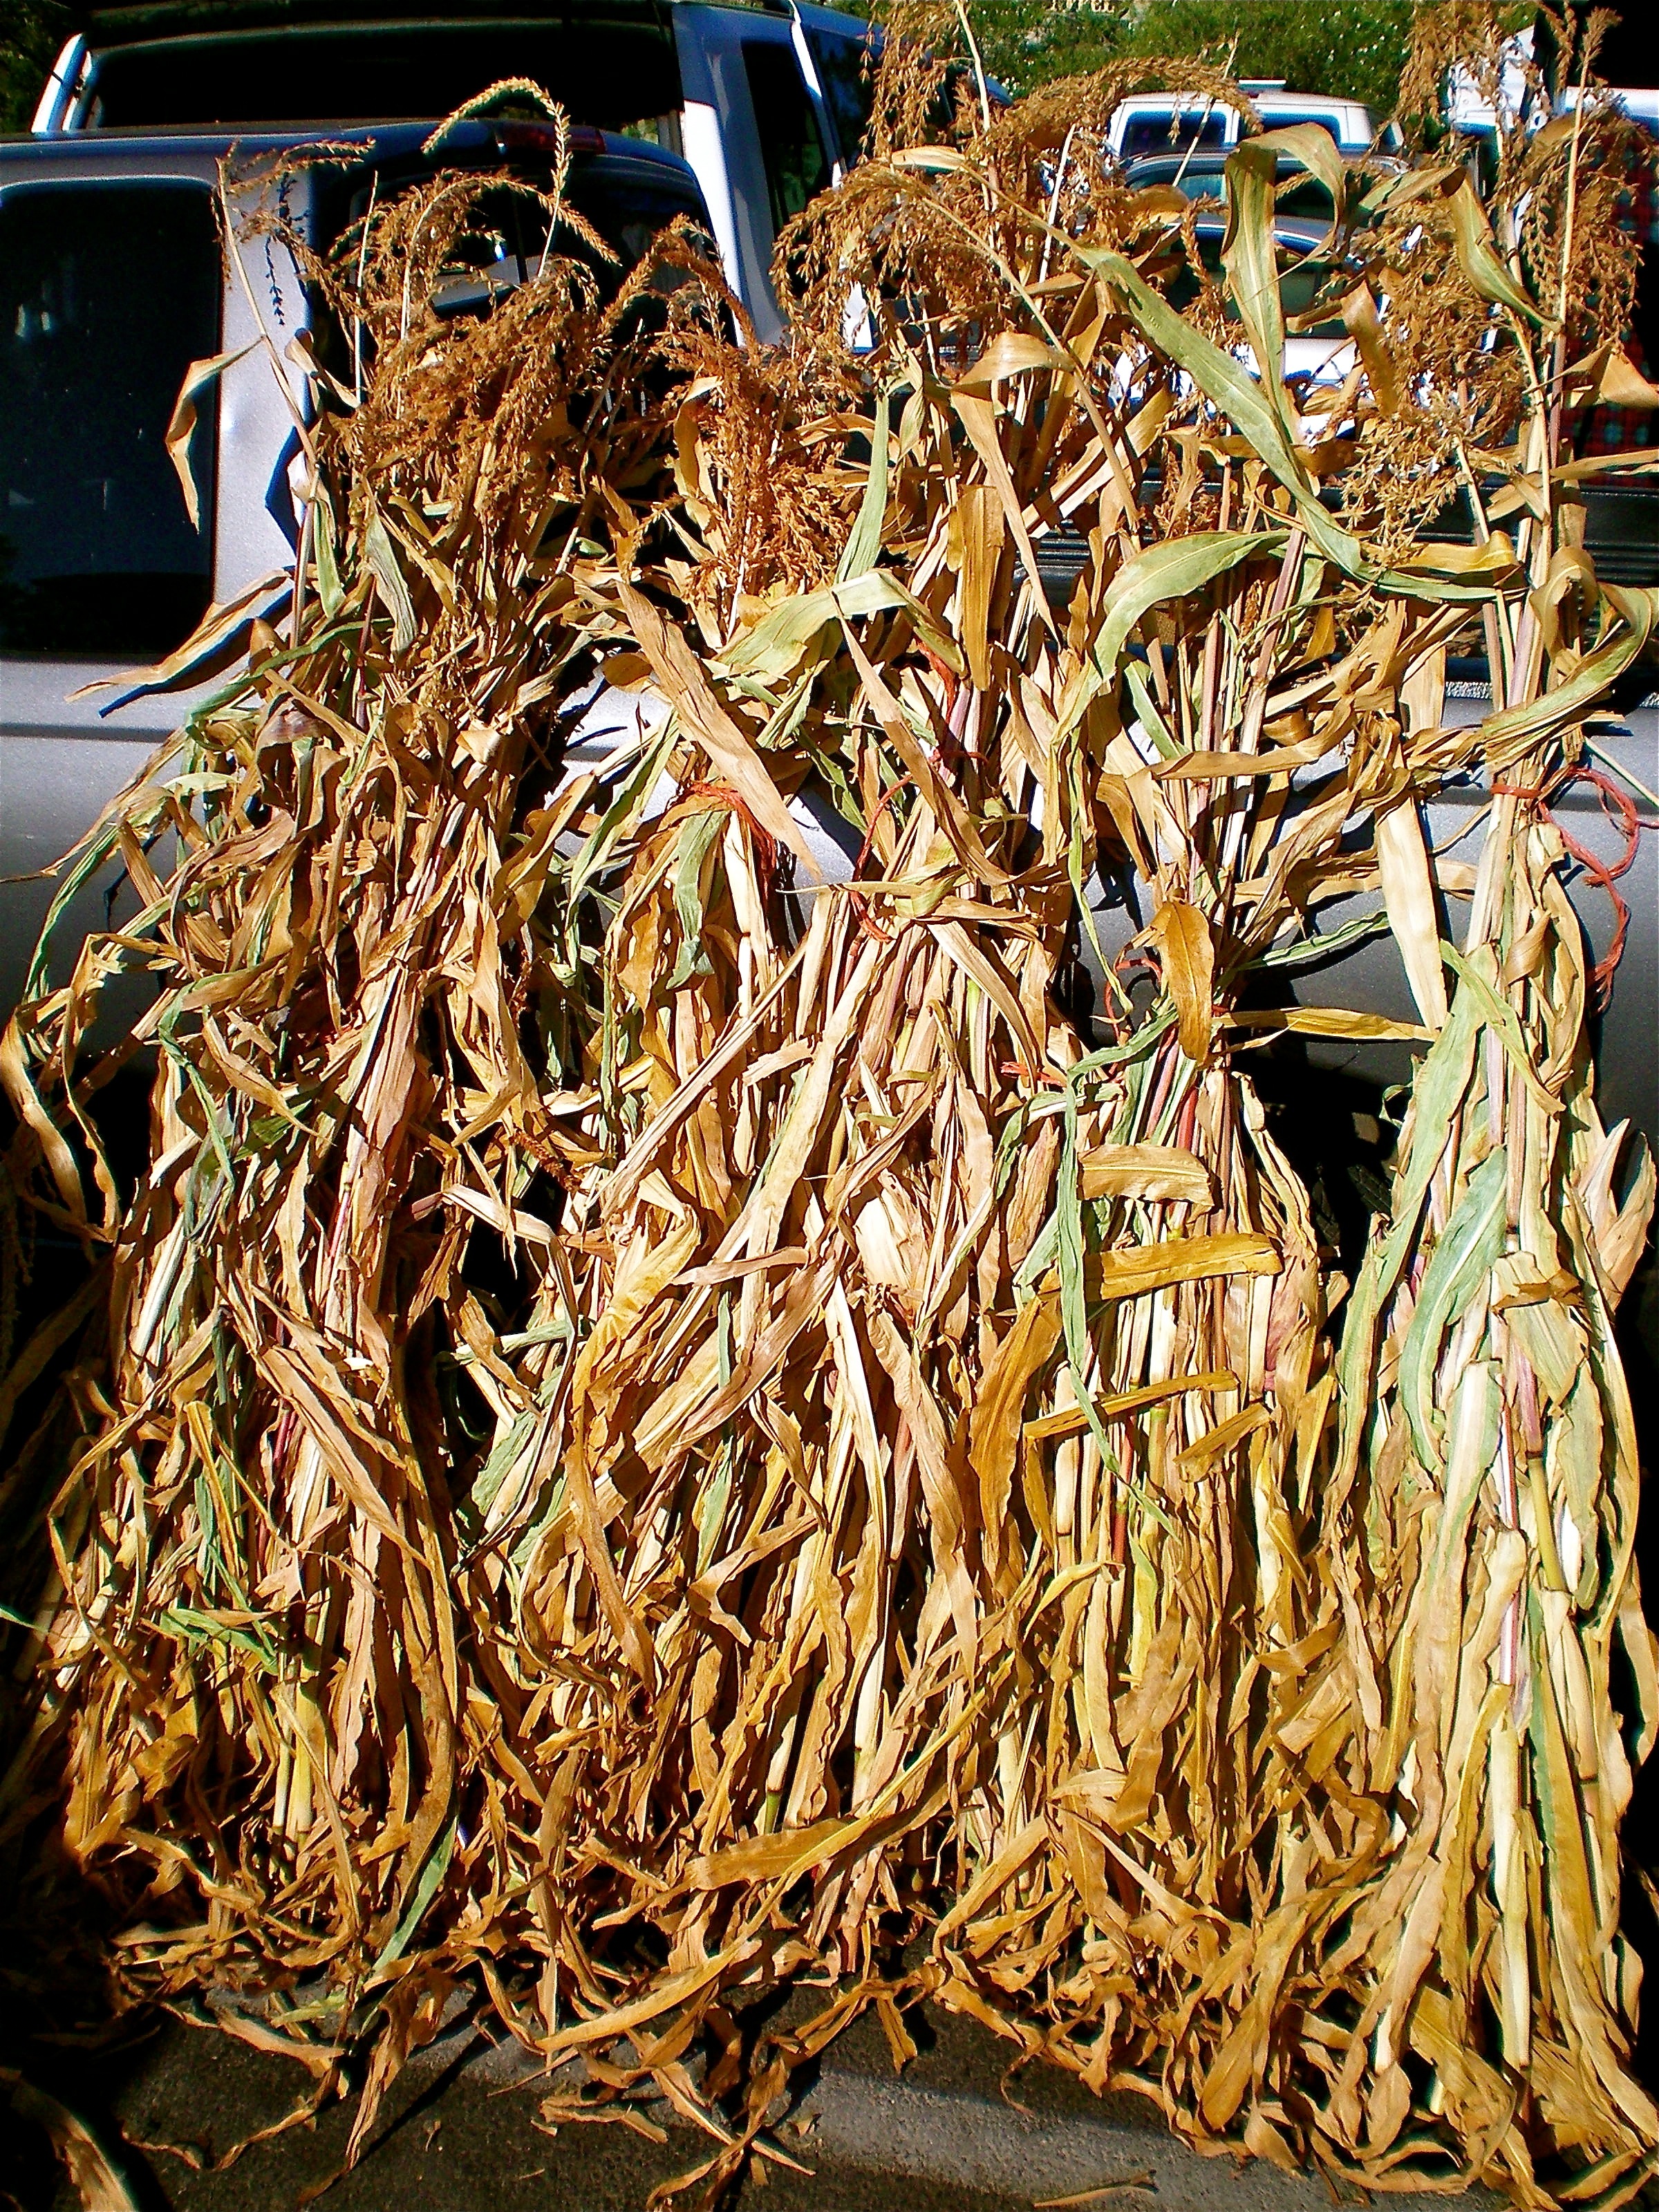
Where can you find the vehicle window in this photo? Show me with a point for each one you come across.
(627, 200)
(958, 84)
(1282, 118)
(846, 74)
(1480, 152)
(1184, 287)
(627, 205)
(1307, 199)
(1300, 285)
(108, 293)
(797, 167)
(611, 66)
(1156, 133)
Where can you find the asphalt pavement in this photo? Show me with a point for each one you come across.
(461, 2132)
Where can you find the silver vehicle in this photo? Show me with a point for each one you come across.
(767, 104)
(112, 284)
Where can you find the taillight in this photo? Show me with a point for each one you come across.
(545, 138)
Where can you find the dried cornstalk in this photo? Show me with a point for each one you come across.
(668, 1422)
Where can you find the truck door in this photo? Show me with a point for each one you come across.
(111, 285)
(753, 131)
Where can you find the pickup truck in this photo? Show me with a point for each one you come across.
(1159, 121)
(110, 284)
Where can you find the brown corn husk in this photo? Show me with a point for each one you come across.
(666, 1425)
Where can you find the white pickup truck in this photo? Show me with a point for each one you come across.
(1157, 122)
(111, 282)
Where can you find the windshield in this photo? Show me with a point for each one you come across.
(1301, 285)
(1298, 194)
(108, 293)
(601, 70)
(1279, 116)
(1307, 200)
(846, 67)
(628, 198)
(1156, 132)
(1197, 183)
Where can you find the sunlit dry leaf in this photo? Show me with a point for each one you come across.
(1184, 940)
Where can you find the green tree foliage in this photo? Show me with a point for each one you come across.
(1031, 42)
(31, 32)
(1352, 47)
(1355, 48)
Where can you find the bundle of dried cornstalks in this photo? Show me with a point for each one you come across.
(673, 1416)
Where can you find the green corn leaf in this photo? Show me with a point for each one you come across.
(426, 1889)
(1471, 1240)
(864, 546)
(1508, 733)
(381, 556)
(1250, 257)
(1230, 387)
(1172, 570)
(775, 646)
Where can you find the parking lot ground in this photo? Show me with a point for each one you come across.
(457, 2134)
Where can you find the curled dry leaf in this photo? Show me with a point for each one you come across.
(1182, 937)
